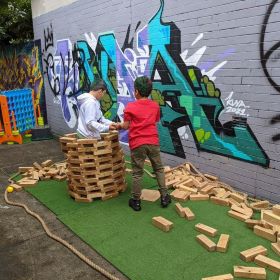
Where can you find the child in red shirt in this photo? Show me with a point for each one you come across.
(140, 117)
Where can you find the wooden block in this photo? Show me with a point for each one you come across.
(219, 277)
(16, 187)
(48, 162)
(251, 223)
(27, 183)
(276, 209)
(186, 189)
(37, 165)
(233, 202)
(180, 210)
(238, 216)
(35, 175)
(260, 204)
(219, 201)
(223, 242)
(150, 195)
(180, 195)
(250, 254)
(196, 182)
(268, 263)
(206, 229)
(207, 189)
(189, 215)
(199, 196)
(187, 183)
(265, 233)
(206, 242)
(238, 197)
(162, 223)
(276, 248)
(270, 217)
(24, 169)
(247, 212)
(211, 177)
(227, 194)
(249, 272)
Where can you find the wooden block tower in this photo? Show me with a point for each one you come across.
(96, 167)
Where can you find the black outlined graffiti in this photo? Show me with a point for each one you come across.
(266, 55)
(274, 120)
(48, 37)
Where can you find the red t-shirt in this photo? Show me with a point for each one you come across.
(143, 114)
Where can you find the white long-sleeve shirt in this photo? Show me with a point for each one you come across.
(91, 121)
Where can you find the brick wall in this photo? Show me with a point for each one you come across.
(213, 76)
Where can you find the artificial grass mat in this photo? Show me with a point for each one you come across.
(131, 243)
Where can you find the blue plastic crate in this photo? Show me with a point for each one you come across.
(20, 101)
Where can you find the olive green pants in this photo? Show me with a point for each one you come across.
(138, 157)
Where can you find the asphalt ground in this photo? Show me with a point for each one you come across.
(26, 252)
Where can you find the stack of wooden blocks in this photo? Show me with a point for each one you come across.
(96, 167)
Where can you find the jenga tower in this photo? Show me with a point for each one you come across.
(96, 167)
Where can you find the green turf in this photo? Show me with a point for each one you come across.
(142, 252)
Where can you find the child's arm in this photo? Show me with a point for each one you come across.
(123, 125)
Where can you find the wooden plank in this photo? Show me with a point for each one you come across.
(180, 210)
(249, 272)
(251, 223)
(268, 263)
(162, 223)
(265, 233)
(223, 242)
(238, 216)
(219, 277)
(219, 201)
(206, 229)
(250, 254)
(189, 215)
(260, 204)
(199, 197)
(206, 242)
(276, 248)
(150, 195)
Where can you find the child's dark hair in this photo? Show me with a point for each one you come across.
(98, 84)
(144, 86)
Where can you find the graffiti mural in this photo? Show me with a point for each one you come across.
(272, 55)
(22, 66)
(183, 86)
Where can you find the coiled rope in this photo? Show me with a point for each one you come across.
(62, 241)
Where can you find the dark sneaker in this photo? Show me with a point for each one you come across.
(135, 204)
(165, 200)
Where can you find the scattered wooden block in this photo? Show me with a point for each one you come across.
(206, 229)
(276, 209)
(179, 209)
(276, 248)
(150, 195)
(260, 204)
(222, 244)
(238, 216)
(270, 217)
(27, 183)
(16, 187)
(189, 215)
(48, 162)
(24, 169)
(37, 165)
(247, 212)
(249, 272)
(238, 197)
(268, 263)
(207, 189)
(219, 201)
(250, 254)
(180, 195)
(199, 196)
(219, 277)
(162, 223)
(211, 177)
(233, 202)
(251, 223)
(265, 233)
(186, 189)
(206, 242)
